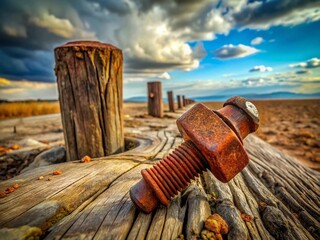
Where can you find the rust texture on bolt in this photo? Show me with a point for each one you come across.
(213, 140)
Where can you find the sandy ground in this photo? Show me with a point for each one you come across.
(290, 125)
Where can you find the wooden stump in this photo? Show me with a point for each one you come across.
(89, 76)
(184, 100)
(170, 101)
(155, 105)
(179, 102)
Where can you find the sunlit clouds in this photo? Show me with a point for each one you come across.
(207, 42)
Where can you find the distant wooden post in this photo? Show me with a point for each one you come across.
(89, 76)
(170, 101)
(184, 100)
(179, 101)
(155, 105)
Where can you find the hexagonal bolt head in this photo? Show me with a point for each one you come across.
(216, 141)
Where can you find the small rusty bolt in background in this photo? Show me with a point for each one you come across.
(213, 140)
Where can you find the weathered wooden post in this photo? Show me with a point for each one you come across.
(155, 105)
(179, 101)
(184, 100)
(170, 101)
(89, 76)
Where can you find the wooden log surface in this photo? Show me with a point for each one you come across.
(155, 104)
(89, 77)
(274, 197)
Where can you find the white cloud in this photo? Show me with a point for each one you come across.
(260, 68)
(311, 63)
(227, 75)
(234, 51)
(256, 41)
(297, 65)
(165, 75)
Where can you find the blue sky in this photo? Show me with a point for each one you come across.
(280, 47)
(196, 48)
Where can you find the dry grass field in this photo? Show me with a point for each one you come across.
(26, 109)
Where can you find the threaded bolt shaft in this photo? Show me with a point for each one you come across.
(174, 172)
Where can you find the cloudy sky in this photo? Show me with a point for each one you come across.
(197, 48)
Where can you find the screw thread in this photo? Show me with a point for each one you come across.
(174, 172)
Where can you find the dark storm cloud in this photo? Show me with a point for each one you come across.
(263, 14)
(29, 31)
(114, 6)
(33, 66)
(303, 72)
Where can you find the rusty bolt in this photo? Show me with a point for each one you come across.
(213, 140)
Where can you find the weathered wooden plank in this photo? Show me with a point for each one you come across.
(106, 216)
(175, 219)
(140, 226)
(224, 205)
(112, 205)
(243, 196)
(198, 209)
(64, 196)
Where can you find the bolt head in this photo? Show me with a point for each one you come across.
(248, 107)
(217, 142)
